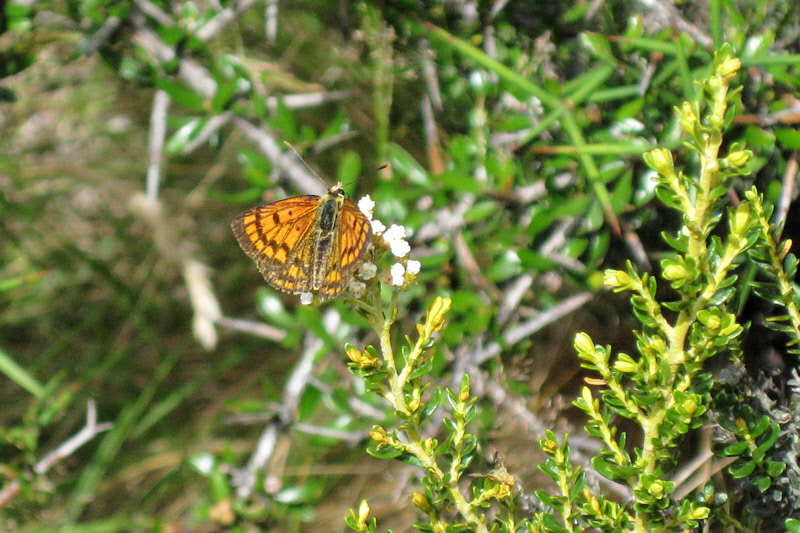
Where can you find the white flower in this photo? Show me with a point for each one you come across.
(367, 271)
(378, 227)
(306, 298)
(395, 238)
(357, 288)
(413, 267)
(399, 247)
(395, 232)
(398, 273)
(366, 205)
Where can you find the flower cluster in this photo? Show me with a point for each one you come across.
(404, 271)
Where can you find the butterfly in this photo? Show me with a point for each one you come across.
(306, 243)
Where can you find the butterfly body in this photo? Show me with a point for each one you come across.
(306, 243)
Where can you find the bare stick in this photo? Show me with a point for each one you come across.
(246, 479)
(526, 329)
(67, 448)
(158, 131)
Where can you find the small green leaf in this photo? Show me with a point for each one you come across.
(744, 470)
(384, 452)
(736, 448)
(533, 260)
(309, 402)
(405, 165)
(222, 96)
(181, 94)
(432, 404)
(459, 181)
(775, 468)
(470, 443)
(762, 483)
(310, 491)
(612, 471)
(422, 370)
(185, 134)
(788, 138)
(599, 46)
(480, 211)
(547, 499)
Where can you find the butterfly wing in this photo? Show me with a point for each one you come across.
(350, 244)
(279, 238)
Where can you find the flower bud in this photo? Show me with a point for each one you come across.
(656, 489)
(688, 118)
(378, 434)
(741, 218)
(626, 364)
(617, 279)
(674, 272)
(583, 344)
(363, 512)
(738, 159)
(413, 405)
(549, 447)
(661, 161)
(421, 501)
(728, 68)
(690, 406)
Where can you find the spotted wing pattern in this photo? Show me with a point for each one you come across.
(279, 237)
(349, 246)
(299, 249)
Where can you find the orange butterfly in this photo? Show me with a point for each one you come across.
(306, 243)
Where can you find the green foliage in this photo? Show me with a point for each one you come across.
(663, 390)
(575, 502)
(670, 394)
(780, 268)
(401, 382)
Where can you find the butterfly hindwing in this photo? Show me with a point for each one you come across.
(350, 244)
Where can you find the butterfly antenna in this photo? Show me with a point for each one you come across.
(304, 162)
(385, 165)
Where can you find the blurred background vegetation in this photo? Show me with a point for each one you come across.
(133, 132)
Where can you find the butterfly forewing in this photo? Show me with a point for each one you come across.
(273, 236)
